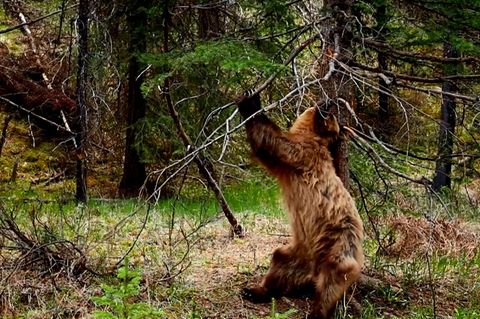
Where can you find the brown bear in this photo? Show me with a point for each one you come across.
(325, 251)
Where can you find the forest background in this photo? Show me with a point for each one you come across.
(127, 189)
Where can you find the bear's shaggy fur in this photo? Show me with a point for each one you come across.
(325, 251)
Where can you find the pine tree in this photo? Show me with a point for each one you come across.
(134, 172)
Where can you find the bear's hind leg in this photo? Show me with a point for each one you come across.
(331, 283)
(287, 275)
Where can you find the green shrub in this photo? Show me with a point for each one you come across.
(119, 299)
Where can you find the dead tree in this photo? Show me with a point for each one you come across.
(81, 172)
(338, 87)
(443, 167)
(205, 167)
(30, 98)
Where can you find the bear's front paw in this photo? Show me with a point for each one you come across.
(256, 295)
(248, 104)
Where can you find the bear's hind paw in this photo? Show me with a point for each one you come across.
(256, 295)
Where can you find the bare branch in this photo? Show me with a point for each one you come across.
(290, 58)
(379, 160)
(36, 115)
(473, 99)
(204, 166)
(21, 25)
(380, 46)
(384, 74)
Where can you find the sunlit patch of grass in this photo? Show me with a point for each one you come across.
(462, 266)
(10, 39)
(259, 195)
(256, 195)
(461, 313)
(34, 166)
(250, 196)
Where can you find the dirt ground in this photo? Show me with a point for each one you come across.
(219, 266)
(222, 266)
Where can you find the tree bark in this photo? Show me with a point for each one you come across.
(81, 170)
(338, 88)
(443, 165)
(134, 172)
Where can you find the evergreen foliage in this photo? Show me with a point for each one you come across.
(228, 62)
(197, 57)
(119, 298)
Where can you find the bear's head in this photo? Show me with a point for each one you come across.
(313, 121)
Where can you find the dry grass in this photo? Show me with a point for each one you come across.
(222, 266)
(219, 266)
(416, 236)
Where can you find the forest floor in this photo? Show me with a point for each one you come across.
(197, 270)
(422, 255)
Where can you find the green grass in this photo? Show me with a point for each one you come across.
(249, 196)
(10, 39)
(460, 274)
(96, 228)
(461, 313)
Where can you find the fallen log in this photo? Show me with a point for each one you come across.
(35, 98)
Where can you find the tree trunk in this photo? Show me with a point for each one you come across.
(81, 173)
(339, 87)
(384, 112)
(209, 23)
(134, 173)
(443, 167)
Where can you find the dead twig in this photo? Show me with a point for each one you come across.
(21, 25)
(43, 251)
(21, 108)
(379, 160)
(54, 177)
(204, 166)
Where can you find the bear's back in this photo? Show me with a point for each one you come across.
(318, 204)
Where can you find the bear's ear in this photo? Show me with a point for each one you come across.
(331, 124)
(326, 124)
